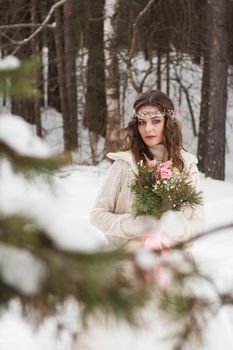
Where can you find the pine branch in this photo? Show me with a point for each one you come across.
(18, 81)
(32, 165)
(112, 282)
(201, 235)
(98, 280)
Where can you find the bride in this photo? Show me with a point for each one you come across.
(153, 133)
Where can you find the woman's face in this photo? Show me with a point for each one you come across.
(151, 125)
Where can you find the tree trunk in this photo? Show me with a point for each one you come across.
(158, 83)
(54, 99)
(111, 75)
(70, 70)
(44, 55)
(36, 73)
(66, 66)
(59, 40)
(211, 144)
(95, 108)
(168, 73)
(19, 105)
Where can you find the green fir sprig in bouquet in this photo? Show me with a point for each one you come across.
(159, 187)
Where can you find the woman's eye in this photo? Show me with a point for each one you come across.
(141, 122)
(156, 121)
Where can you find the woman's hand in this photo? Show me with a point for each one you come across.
(175, 226)
(139, 226)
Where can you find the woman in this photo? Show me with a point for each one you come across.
(154, 133)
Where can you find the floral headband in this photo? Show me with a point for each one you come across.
(172, 113)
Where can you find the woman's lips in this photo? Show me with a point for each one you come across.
(150, 137)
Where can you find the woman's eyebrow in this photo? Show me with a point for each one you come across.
(156, 117)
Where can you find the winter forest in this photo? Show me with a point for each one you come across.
(70, 71)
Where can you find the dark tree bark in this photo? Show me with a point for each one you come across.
(44, 53)
(70, 70)
(66, 66)
(95, 108)
(21, 106)
(59, 40)
(54, 99)
(168, 73)
(158, 80)
(36, 73)
(211, 144)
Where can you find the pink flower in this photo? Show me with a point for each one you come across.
(167, 164)
(173, 113)
(151, 163)
(165, 173)
(176, 113)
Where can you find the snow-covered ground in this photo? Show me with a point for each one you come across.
(76, 188)
(64, 212)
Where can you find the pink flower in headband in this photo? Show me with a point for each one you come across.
(175, 113)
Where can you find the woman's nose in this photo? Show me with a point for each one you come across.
(148, 126)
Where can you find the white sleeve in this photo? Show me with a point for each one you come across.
(119, 225)
(197, 220)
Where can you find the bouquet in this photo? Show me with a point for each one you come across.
(159, 187)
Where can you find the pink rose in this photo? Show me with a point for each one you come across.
(151, 163)
(167, 164)
(165, 173)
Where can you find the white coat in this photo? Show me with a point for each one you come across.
(112, 212)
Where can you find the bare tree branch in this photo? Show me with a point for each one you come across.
(201, 235)
(39, 29)
(147, 73)
(186, 92)
(24, 25)
(133, 44)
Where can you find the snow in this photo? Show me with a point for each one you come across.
(25, 142)
(17, 263)
(47, 207)
(19, 332)
(76, 188)
(9, 63)
(145, 259)
(64, 213)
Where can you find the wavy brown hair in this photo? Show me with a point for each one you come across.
(130, 139)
